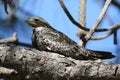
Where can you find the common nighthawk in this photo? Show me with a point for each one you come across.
(49, 39)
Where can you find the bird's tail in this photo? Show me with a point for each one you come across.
(101, 54)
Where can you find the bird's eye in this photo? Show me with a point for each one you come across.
(36, 19)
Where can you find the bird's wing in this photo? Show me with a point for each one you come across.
(56, 41)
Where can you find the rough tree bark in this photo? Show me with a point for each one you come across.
(32, 64)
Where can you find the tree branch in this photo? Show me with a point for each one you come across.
(13, 39)
(82, 20)
(82, 13)
(116, 3)
(109, 18)
(102, 14)
(85, 31)
(112, 28)
(103, 36)
(40, 65)
(75, 22)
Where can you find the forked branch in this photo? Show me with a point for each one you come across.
(75, 22)
(101, 16)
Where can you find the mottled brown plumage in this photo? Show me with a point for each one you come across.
(48, 39)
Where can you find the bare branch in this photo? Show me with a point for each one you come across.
(13, 39)
(35, 65)
(102, 14)
(116, 3)
(102, 37)
(116, 26)
(82, 19)
(97, 37)
(70, 16)
(109, 18)
(111, 28)
(75, 22)
(115, 37)
(82, 13)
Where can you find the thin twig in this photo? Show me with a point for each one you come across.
(101, 37)
(13, 39)
(115, 37)
(82, 19)
(112, 28)
(116, 3)
(82, 13)
(102, 14)
(75, 22)
(109, 18)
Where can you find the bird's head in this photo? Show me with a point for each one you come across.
(35, 22)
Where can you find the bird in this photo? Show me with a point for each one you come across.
(47, 38)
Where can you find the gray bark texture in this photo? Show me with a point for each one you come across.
(31, 64)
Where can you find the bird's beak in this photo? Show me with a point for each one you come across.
(28, 21)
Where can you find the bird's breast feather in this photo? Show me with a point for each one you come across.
(39, 28)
